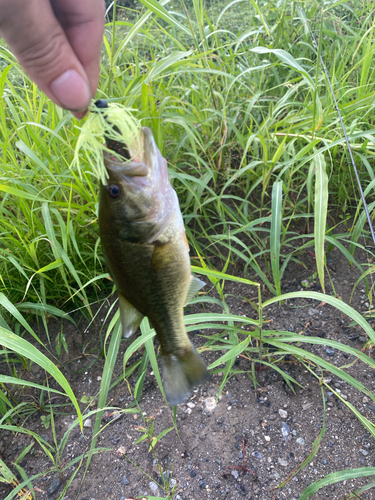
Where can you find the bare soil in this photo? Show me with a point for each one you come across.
(236, 449)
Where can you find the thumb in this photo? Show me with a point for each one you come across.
(38, 41)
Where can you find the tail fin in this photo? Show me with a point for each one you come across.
(181, 374)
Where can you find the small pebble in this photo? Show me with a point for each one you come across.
(366, 399)
(193, 473)
(202, 484)
(210, 404)
(362, 339)
(285, 430)
(153, 487)
(300, 441)
(282, 462)
(364, 452)
(313, 311)
(54, 486)
(324, 462)
(353, 337)
(234, 474)
(330, 352)
(124, 480)
(283, 413)
(257, 454)
(191, 405)
(87, 423)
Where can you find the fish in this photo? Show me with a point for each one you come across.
(146, 251)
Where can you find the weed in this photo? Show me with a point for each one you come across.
(241, 110)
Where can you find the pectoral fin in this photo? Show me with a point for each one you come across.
(130, 317)
(195, 285)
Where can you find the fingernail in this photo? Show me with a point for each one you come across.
(79, 114)
(71, 90)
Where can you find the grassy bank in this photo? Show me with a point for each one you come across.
(241, 109)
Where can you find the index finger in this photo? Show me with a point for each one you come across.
(83, 24)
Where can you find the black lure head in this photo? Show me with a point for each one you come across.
(115, 146)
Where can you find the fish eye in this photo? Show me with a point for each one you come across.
(114, 191)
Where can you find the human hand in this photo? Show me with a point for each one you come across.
(58, 43)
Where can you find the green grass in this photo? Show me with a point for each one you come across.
(236, 102)
(240, 108)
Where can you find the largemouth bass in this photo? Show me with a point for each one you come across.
(145, 247)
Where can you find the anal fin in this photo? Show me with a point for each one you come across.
(130, 317)
(195, 285)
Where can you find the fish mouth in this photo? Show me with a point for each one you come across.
(142, 157)
(143, 150)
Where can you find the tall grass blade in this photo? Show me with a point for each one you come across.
(275, 235)
(109, 365)
(162, 12)
(339, 304)
(147, 337)
(231, 354)
(336, 477)
(24, 348)
(320, 214)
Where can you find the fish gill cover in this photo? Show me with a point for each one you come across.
(109, 127)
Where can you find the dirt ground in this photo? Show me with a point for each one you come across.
(233, 449)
